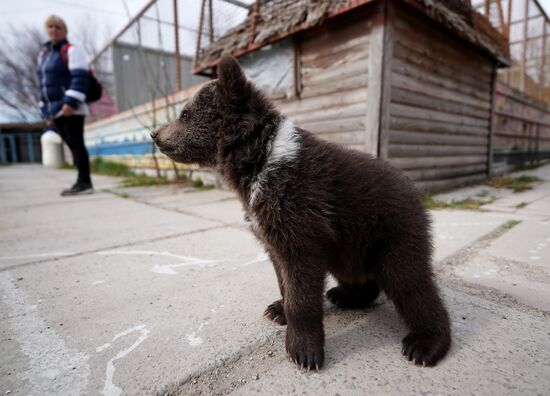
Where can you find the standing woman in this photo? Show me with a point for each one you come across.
(63, 77)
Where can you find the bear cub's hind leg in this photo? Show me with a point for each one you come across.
(408, 282)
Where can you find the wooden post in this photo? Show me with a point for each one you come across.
(500, 15)
(492, 119)
(177, 51)
(542, 79)
(252, 29)
(374, 81)
(210, 22)
(537, 144)
(385, 94)
(297, 63)
(507, 32)
(199, 34)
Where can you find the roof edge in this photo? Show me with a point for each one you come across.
(296, 29)
(480, 33)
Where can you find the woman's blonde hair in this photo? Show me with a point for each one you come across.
(54, 19)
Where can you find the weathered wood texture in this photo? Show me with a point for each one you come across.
(386, 60)
(521, 130)
(440, 106)
(333, 75)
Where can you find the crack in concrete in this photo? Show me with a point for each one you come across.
(180, 211)
(106, 248)
(448, 278)
(529, 271)
(494, 207)
(87, 199)
(206, 203)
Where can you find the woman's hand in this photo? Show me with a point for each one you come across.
(50, 122)
(67, 110)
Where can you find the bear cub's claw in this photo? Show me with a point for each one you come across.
(276, 313)
(425, 350)
(305, 347)
(305, 355)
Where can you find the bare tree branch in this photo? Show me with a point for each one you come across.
(18, 81)
(19, 85)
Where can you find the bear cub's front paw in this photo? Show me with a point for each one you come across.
(305, 351)
(276, 312)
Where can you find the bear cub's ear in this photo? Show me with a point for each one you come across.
(233, 83)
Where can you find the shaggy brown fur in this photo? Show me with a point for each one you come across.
(324, 210)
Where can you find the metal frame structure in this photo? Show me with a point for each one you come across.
(519, 17)
(175, 24)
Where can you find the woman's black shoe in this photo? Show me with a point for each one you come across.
(78, 188)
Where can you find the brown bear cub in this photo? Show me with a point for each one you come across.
(317, 208)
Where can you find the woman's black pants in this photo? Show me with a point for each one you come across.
(71, 130)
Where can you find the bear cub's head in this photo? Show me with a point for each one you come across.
(222, 110)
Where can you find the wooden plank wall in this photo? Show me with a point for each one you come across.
(440, 105)
(333, 73)
(522, 129)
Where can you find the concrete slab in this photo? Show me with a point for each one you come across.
(539, 208)
(364, 358)
(517, 263)
(516, 201)
(528, 241)
(527, 284)
(33, 185)
(456, 229)
(143, 316)
(41, 232)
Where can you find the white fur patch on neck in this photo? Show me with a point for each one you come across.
(285, 145)
(284, 148)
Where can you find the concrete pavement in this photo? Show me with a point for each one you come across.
(161, 290)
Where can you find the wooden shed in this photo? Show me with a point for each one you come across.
(410, 81)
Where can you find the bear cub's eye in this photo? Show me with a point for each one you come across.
(184, 115)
